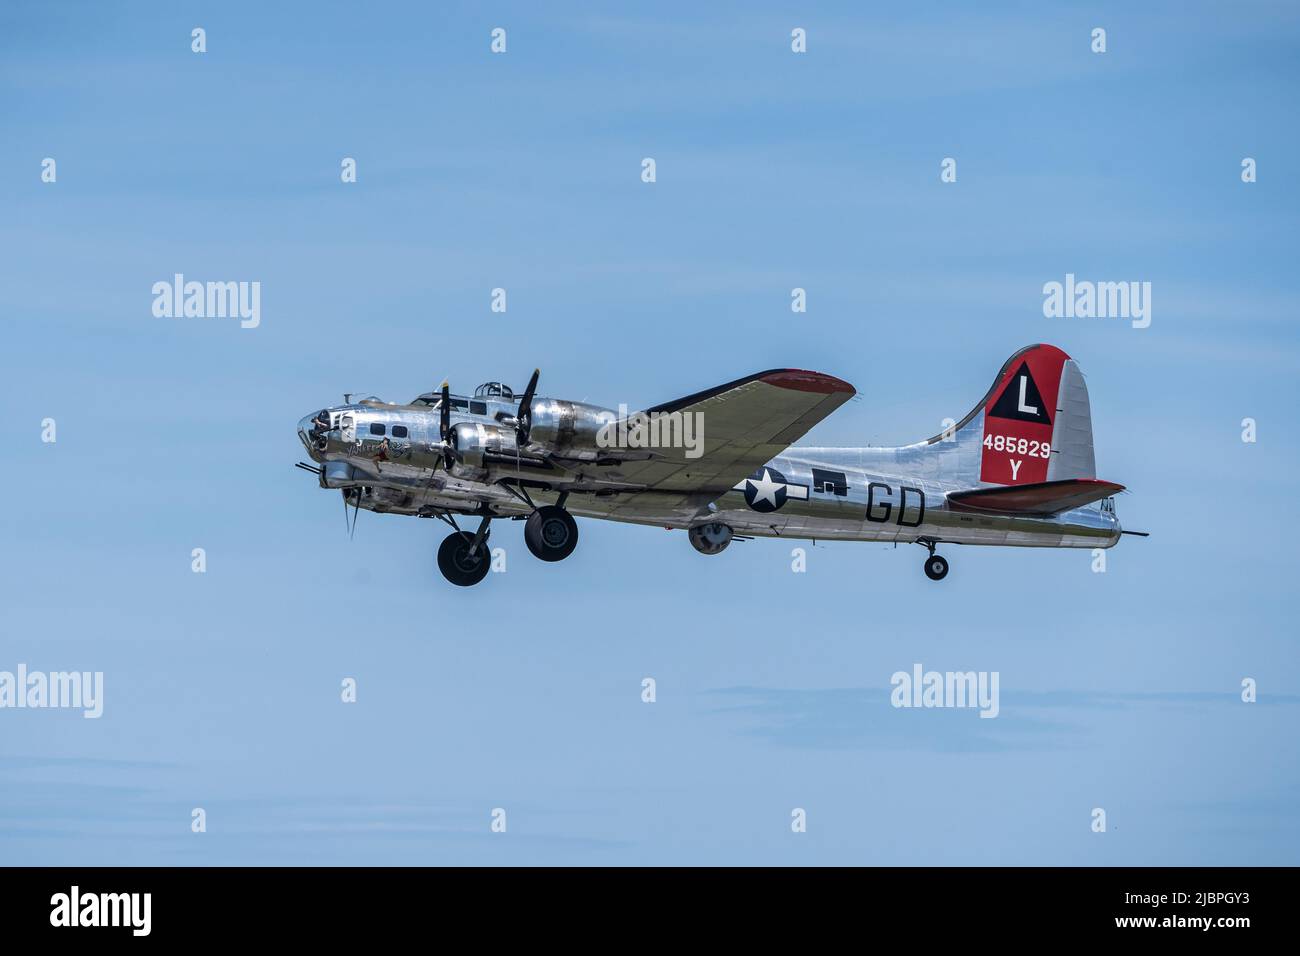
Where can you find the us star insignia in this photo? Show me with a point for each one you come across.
(767, 490)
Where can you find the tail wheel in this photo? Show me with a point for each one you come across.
(457, 564)
(551, 533)
(936, 567)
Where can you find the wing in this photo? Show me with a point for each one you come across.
(736, 428)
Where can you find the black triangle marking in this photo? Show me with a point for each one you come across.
(1009, 404)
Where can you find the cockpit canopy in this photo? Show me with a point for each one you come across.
(495, 390)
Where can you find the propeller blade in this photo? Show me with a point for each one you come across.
(444, 428)
(356, 510)
(444, 407)
(524, 417)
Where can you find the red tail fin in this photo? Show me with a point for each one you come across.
(1037, 422)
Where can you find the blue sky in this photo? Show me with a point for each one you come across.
(775, 170)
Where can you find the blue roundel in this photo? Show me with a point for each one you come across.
(766, 490)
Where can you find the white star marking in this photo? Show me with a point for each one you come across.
(766, 489)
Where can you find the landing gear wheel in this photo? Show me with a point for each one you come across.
(459, 566)
(936, 567)
(551, 533)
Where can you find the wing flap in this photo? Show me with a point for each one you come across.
(1039, 500)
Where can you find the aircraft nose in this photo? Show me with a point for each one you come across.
(310, 433)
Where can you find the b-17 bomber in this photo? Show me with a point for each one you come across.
(1017, 470)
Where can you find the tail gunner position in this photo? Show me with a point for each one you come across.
(1016, 471)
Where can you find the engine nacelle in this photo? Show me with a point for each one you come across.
(475, 444)
(339, 474)
(710, 538)
(565, 427)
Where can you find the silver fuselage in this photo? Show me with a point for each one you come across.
(851, 494)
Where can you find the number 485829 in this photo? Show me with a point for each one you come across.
(1018, 446)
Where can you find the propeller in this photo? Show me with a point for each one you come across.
(444, 422)
(524, 417)
(444, 427)
(356, 512)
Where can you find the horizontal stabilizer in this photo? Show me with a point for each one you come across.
(1038, 500)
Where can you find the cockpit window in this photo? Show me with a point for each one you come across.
(433, 400)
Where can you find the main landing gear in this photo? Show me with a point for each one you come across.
(551, 533)
(465, 559)
(936, 566)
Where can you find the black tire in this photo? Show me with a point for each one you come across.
(551, 533)
(456, 564)
(936, 567)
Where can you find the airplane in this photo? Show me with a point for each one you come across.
(1017, 470)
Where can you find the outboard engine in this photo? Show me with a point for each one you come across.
(564, 427)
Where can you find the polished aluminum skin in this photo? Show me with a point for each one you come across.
(391, 458)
